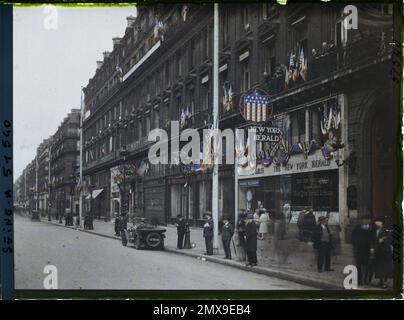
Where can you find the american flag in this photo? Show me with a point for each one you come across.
(255, 107)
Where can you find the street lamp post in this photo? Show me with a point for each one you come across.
(124, 154)
(90, 216)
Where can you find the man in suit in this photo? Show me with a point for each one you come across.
(382, 250)
(208, 234)
(251, 240)
(323, 243)
(361, 241)
(227, 234)
(181, 226)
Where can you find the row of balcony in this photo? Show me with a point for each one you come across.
(333, 60)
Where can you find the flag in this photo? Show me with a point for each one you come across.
(295, 71)
(159, 29)
(289, 70)
(188, 113)
(184, 12)
(303, 65)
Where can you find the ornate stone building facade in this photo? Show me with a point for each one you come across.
(312, 67)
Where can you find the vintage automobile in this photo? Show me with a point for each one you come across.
(35, 216)
(143, 235)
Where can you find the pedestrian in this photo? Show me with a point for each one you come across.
(256, 216)
(208, 234)
(263, 224)
(187, 238)
(300, 223)
(227, 234)
(361, 239)
(323, 243)
(241, 229)
(309, 225)
(251, 241)
(180, 231)
(382, 250)
(117, 225)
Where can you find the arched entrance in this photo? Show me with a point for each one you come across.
(383, 147)
(377, 166)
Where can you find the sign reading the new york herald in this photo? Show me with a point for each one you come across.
(267, 134)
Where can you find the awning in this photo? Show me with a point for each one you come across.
(95, 194)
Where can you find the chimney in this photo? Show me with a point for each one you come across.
(116, 41)
(106, 54)
(99, 64)
(130, 20)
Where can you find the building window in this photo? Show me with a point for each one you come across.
(298, 126)
(167, 73)
(179, 64)
(245, 19)
(148, 124)
(156, 118)
(225, 28)
(207, 42)
(315, 128)
(139, 129)
(192, 101)
(191, 56)
(205, 198)
(269, 60)
(245, 77)
(206, 96)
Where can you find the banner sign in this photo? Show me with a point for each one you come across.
(267, 134)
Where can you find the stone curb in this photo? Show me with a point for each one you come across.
(271, 272)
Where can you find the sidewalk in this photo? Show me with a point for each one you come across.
(298, 265)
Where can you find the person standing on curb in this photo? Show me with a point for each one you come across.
(208, 234)
(227, 234)
(251, 241)
(180, 231)
(263, 225)
(323, 243)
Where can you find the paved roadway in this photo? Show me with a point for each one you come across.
(86, 261)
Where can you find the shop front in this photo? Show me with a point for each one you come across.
(154, 200)
(299, 165)
(304, 183)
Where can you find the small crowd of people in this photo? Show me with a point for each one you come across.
(373, 252)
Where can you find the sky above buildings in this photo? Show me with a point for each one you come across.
(50, 66)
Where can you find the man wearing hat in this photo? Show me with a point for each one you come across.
(251, 240)
(323, 243)
(381, 249)
(300, 223)
(180, 231)
(227, 234)
(208, 234)
(362, 241)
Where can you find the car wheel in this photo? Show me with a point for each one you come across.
(154, 240)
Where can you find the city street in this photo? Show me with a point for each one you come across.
(86, 261)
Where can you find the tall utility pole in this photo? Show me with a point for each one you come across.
(49, 180)
(215, 173)
(25, 187)
(81, 157)
(36, 182)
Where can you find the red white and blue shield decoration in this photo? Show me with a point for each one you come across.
(256, 107)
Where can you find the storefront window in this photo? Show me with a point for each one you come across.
(317, 190)
(205, 198)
